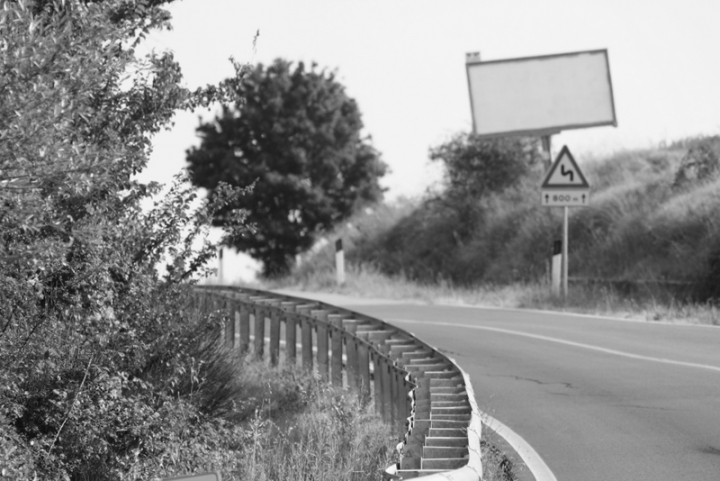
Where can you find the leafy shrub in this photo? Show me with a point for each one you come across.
(87, 304)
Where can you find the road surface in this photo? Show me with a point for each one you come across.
(598, 399)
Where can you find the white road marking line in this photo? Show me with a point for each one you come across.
(530, 457)
(568, 343)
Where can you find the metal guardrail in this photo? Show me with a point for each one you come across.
(424, 395)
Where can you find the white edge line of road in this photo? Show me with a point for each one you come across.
(572, 314)
(530, 457)
(349, 301)
(556, 340)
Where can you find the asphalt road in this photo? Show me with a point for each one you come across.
(598, 399)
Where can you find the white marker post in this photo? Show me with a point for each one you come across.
(221, 270)
(339, 262)
(564, 186)
(556, 278)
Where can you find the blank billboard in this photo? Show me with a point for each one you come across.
(541, 95)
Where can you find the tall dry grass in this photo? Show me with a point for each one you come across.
(274, 424)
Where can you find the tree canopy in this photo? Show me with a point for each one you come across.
(296, 136)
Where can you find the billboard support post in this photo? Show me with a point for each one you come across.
(547, 150)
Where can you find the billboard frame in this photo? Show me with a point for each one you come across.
(474, 59)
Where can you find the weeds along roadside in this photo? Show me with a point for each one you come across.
(652, 304)
(235, 415)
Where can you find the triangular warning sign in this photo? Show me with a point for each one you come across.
(565, 173)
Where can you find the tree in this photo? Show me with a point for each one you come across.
(476, 167)
(296, 136)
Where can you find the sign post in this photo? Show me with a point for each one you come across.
(565, 186)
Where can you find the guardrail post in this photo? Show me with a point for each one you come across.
(378, 384)
(322, 343)
(388, 392)
(274, 335)
(235, 315)
(218, 306)
(306, 337)
(259, 333)
(400, 401)
(336, 348)
(244, 328)
(229, 322)
(351, 353)
(363, 363)
(290, 336)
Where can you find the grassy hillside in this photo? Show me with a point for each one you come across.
(652, 228)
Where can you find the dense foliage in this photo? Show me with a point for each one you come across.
(650, 231)
(296, 136)
(425, 244)
(94, 338)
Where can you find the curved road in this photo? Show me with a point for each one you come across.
(599, 399)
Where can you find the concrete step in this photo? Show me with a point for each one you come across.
(457, 442)
(443, 463)
(401, 341)
(418, 354)
(451, 406)
(450, 417)
(444, 452)
(442, 375)
(447, 423)
(426, 359)
(428, 367)
(447, 432)
(445, 379)
(452, 389)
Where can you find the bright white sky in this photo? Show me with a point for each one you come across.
(404, 63)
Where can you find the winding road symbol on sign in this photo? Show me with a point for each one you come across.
(565, 173)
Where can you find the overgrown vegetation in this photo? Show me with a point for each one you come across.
(98, 375)
(648, 241)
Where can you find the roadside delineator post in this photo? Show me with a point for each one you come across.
(339, 262)
(556, 266)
